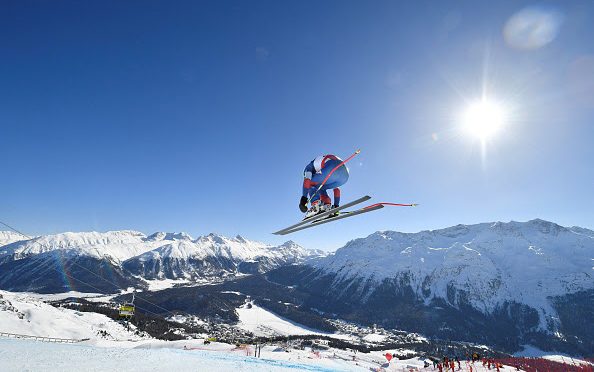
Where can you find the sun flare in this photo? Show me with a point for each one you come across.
(483, 119)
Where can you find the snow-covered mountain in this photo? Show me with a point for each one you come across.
(535, 279)
(118, 245)
(214, 255)
(582, 231)
(485, 265)
(503, 284)
(115, 259)
(7, 237)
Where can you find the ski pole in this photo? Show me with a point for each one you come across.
(332, 171)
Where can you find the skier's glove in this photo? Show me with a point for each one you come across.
(303, 204)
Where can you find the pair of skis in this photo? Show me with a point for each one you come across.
(324, 217)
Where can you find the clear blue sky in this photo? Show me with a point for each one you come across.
(200, 116)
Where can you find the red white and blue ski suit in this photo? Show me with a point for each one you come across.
(315, 173)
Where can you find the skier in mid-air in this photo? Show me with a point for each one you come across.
(328, 172)
(324, 167)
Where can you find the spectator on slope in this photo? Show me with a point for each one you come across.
(439, 367)
(458, 361)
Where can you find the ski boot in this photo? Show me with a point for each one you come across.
(335, 214)
(316, 208)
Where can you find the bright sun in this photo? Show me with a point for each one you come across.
(483, 119)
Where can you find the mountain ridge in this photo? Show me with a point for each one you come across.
(130, 256)
(496, 259)
(535, 279)
(465, 282)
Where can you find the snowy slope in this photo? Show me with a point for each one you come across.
(489, 263)
(582, 231)
(213, 255)
(204, 246)
(262, 322)
(191, 355)
(23, 314)
(26, 315)
(237, 248)
(119, 245)
(18, 355)
(7, 237)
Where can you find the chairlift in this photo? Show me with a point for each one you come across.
(127, 309)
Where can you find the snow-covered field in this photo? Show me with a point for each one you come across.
(534, 352)
(157, 285)
(372, 337)
(94, 297)
(262, 322)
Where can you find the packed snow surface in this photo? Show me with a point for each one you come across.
(159, 284)
(191, 355)
(374, 337)
(19, 355)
